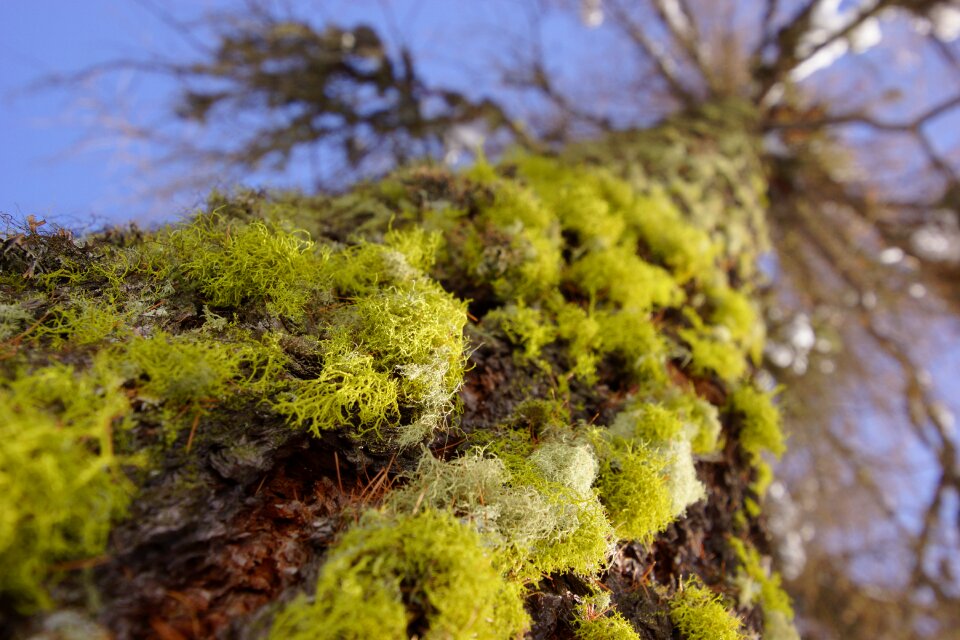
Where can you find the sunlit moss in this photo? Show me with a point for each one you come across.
(733, 310)
(238, 263)
(661, 429)
(61, 485)
(540, 512)
(180, 369)
(686, 249)
(394, 348)
(772, 596)
(630, 336)
(621, 277)
(525, 326)
(581, 333)
(632, 487)
(391, 572)
(597, 620)
(700, 615)
(83, 322)
(761, 420)
(714, 354)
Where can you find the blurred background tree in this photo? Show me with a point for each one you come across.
(857, 104)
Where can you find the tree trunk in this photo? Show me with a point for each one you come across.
(246, 397)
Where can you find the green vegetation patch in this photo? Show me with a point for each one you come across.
(540, 513)
(700, 615)
(426, 574)
(762, 429)
(61, 486)
(597, 620)
(237, 263)
(760, 586)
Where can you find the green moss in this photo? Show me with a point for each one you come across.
(700, 418)
(581, 333)
(180, 369)
(515, 244)
(631, 337)
(632, 487)
(525, 326)
(60, 483)
(391, 577)
(734, 311)
(418, 246)
(621, 277)
(579, 198)
(83, 322)
(700, 615)
(393, 358)
(661, 429)
(714, 354)
(772, 596)
(652, 423)
(597, 620)
(686, 249)
(538, 523)
(350, 389)
(237, 263)
(762, 430)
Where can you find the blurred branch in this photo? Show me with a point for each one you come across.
(655, 52)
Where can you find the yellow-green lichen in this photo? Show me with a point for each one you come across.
(761, 586)
(661, 429)
(237, 263)
(525, 326)
(700, 615)
(597, 620)
(395, 576)
(394, 348)
(621, 277)
(541, 521)
(687, 250)
(61, 485)
(632, 488)
(761, 421)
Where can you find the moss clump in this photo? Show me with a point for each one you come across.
(700, 615)
(632, 487)
(632, 338)
(514, 245)
(349, 389)
(661, 429)
(597, 620)
(237, 263)
(60, 483)
(734, 311)
(714, 352)
(392, 577)
(777, 608)
(181, 369)
(686, 249)
(620, 276)
(762, 430)
(525, 326)
(700, 418)
(393, 355)
(83, 322)
(652, 423)
(539, 522)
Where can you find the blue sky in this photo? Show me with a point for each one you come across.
(56, 161)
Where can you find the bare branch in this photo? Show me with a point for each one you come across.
(666, 66)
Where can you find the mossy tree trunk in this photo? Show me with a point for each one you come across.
(518, 399)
